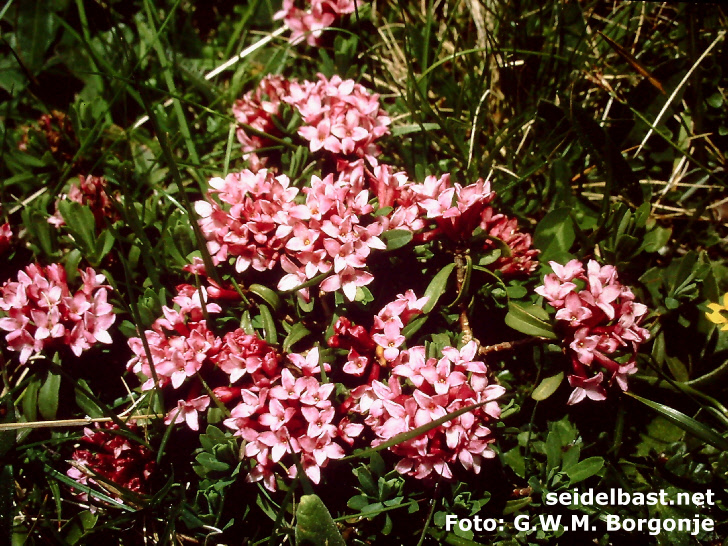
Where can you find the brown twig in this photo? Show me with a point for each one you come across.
(511, 345)
(71, 422)
(460, 280)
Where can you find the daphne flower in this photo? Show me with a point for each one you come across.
(599, 320)
(187, 411)
(586, 388)
(41, 311)
(391, 340)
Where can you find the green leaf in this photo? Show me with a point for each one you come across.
(80, 222)
(407, 129)
(314, 524)
(677, 368)
(515, 460)
(269, 325)
(211, 463)
(688, 424)
(715, 100)
(36, 30)
(30, 400)
(103, 245)
(547, 387)
(437, 287)
(70, 482)
(554, 234)
(297, 333)
(656, 238)
(268, 295)
(413, 326)
(48, 396)
(396, 238)
(530, 320)
(84, 402)
(80, 525)
(358, 502)
(368, 485)
(584, 469)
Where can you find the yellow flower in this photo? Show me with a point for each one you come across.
(716, 315)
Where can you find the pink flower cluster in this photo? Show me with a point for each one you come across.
(310, 23)
(179, 342)
(457, 211)
(41, 311)
(112, 457)
(90, 191)
(419, 391)
(339, 116)
(279, 409)
(263, 225)
(257, 109)
(521, 256)
(382, 344)
(599, 318)
(288, 411)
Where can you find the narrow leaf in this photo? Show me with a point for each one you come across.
(584, 469)
(547, 387)
(688, 424)
(297, 333)
(269, 325)
(437, 287)
(268, 295)
(48, 399)
(529, 320)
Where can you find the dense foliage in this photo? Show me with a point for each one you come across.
(341, 270)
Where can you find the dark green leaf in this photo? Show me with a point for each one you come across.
(269, 325)
(297, 333)
(48, 396)
(36, 30)
(554, 234)
(268, 295)
(30, 400)
(547, 387)
(584, 469)
(396, 238)
(84, 402)
(437, 287)
(314, 525)
(530, 320)
(688, 424)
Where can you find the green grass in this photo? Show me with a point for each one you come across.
(602, 127)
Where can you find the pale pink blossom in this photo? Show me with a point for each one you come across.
(187, 411)
(40, 311)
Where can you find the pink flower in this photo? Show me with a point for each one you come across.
(396, 407)
(92, 192)
(41, 311)
(391, 340)
(586, 388)
(187, 411)
(600, 320)
(6, 237)
(113, 457)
